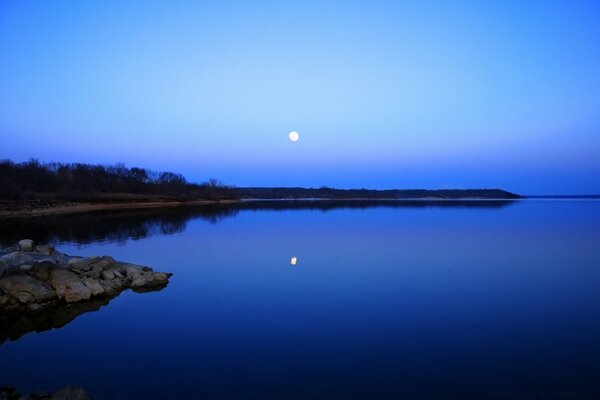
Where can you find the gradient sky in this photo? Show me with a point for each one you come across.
(384, 94)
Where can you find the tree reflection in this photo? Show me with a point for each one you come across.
(121, 225)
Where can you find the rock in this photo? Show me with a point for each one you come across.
(45, 249)
(133, 271)
(16, 258)
(94, 286)
(108, 275)
(32, 282)
(9, 393)
(66, 393)
(25, 288)
(150, 279)
(113, 287)
(70, 393)
(105, 263)
(41, 270)
(82, 264)
(68, 286)
(26, 245)
(3, 267)
(25, 267)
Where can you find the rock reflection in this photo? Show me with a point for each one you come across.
(16, 324)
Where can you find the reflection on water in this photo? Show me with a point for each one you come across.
(411, 300)
(120, 225)
(14, 325)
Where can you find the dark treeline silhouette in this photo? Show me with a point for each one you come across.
(33, 180)
(121, 225)
(34, 183)
(330, 193)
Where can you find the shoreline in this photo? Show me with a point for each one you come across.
(27, 211)
(75, 208)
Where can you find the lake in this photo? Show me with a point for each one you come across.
(365, 300)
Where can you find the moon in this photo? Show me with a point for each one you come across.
(294, 136)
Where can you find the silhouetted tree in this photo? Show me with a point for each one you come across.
(35, 180)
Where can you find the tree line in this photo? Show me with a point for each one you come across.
(75, 181)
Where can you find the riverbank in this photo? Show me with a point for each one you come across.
(35, 209)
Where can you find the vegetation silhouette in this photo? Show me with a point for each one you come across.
(33, 180)
(121, 225)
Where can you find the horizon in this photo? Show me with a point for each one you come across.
(384, 96)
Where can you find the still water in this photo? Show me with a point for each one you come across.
(408, 300)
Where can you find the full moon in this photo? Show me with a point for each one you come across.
(294, 136)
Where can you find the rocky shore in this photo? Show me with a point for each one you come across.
(35, 278)
(66, 393)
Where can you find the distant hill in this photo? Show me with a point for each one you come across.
(329, 193)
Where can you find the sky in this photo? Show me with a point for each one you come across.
(427, 94)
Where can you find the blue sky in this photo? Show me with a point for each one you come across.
(384, 94)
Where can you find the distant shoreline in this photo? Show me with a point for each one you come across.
(26, 210)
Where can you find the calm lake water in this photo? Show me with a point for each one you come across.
(410, 300)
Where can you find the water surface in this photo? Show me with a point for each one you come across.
(395, 300)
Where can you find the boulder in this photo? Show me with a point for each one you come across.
(16, 258)
(3, 267)
(94, 286)
(26, 245)
(133, 272)
(68, 286)
(82, 263)
(70, 393)
(150, 279)
(45, 249)
(25, 267)
(105, 263)
(108, 275)
(66, 393)
(25, 288)
(41, 270)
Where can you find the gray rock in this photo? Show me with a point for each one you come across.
(106, 263)
(150, 279)
(25, 267)
(112, 287)
(94, 286)
(41, 270)
(17, 258)
(82, 264)
(68, 286)
(45, 249)
(108, 275)
(25, 288)
(3, 267)
(26, 245)
(70, 393)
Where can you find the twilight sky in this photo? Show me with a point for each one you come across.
(384, 94)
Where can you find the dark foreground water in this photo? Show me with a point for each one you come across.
(448, 300)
